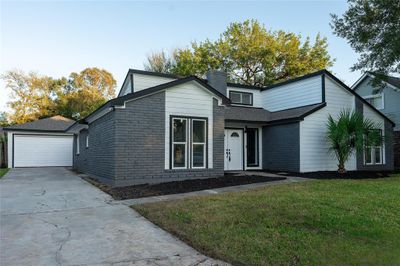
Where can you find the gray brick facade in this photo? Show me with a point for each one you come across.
(127, 146)
(281, 147)
(98, 159)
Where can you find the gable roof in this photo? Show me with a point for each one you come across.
(260, 115)
(325, 72)
(393, 82)
(56, 123)
(142, 93)
(144, 72)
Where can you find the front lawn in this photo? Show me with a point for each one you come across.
(324, 222)
(3, 171)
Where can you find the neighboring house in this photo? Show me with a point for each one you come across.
(163, 128)
(44, 142)
(385, 98)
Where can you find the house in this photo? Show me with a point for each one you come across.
(164, 128)
(44, 142)
(385, 98)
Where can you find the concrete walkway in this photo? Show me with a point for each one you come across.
(289, 179)
(50, 216)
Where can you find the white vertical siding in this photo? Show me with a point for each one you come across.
(141, 82)
(189, 99)
(303, 92)
(314, 155)
(256, 94)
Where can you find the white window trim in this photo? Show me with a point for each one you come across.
(241, 98)
(87, 141)
(382, 148)
(376, 96)
(184, 143)
(77, 144)
(199, 143)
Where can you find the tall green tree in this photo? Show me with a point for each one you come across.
(32, 95)
(249, 54)
(372, 28)
(85, 92)
(35, 96)
(350, 133)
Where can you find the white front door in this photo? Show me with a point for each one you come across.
(233, 149)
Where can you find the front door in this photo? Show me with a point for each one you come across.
(233, 149)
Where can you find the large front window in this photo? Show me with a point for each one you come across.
(189, 138)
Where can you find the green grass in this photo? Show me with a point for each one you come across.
(3, 171)
(326, 222)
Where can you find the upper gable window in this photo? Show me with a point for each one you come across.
(243, 98)
(375, 100)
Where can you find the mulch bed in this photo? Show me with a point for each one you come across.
(336, 175)
(147, 190)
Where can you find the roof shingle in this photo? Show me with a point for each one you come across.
(260, 115)
(55, 123)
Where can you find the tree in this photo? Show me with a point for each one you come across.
(32, 95)
(35, 96)
(249, 54)
(85, 92)
(160, 62)
(350, 133)
(372, 27)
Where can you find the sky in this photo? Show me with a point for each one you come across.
(57, 38)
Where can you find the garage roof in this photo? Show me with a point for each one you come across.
(56, 123)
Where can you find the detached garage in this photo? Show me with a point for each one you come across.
(41, 143)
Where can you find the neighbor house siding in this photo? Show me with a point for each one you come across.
(300, 93)
(391, 100)
(257, 102)
(314, 146)
(141, 82)
(281, 147)
(98, 160)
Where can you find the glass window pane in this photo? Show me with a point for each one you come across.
(367, 154)
(179, 155)
(246, 98)
(179, 127)
(198, 155)
(252, 149)
(377, 102)
(199, 130)
(378, 156)
(235, 97)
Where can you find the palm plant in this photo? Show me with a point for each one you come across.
(350, 133)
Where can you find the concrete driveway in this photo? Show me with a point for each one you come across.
(49, 216)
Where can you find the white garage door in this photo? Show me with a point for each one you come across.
(40, 150)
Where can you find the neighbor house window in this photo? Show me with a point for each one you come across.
(373, 154)
(188, 145)
(77, 144)
(376, 100)
(87, 141)
(243, 98)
